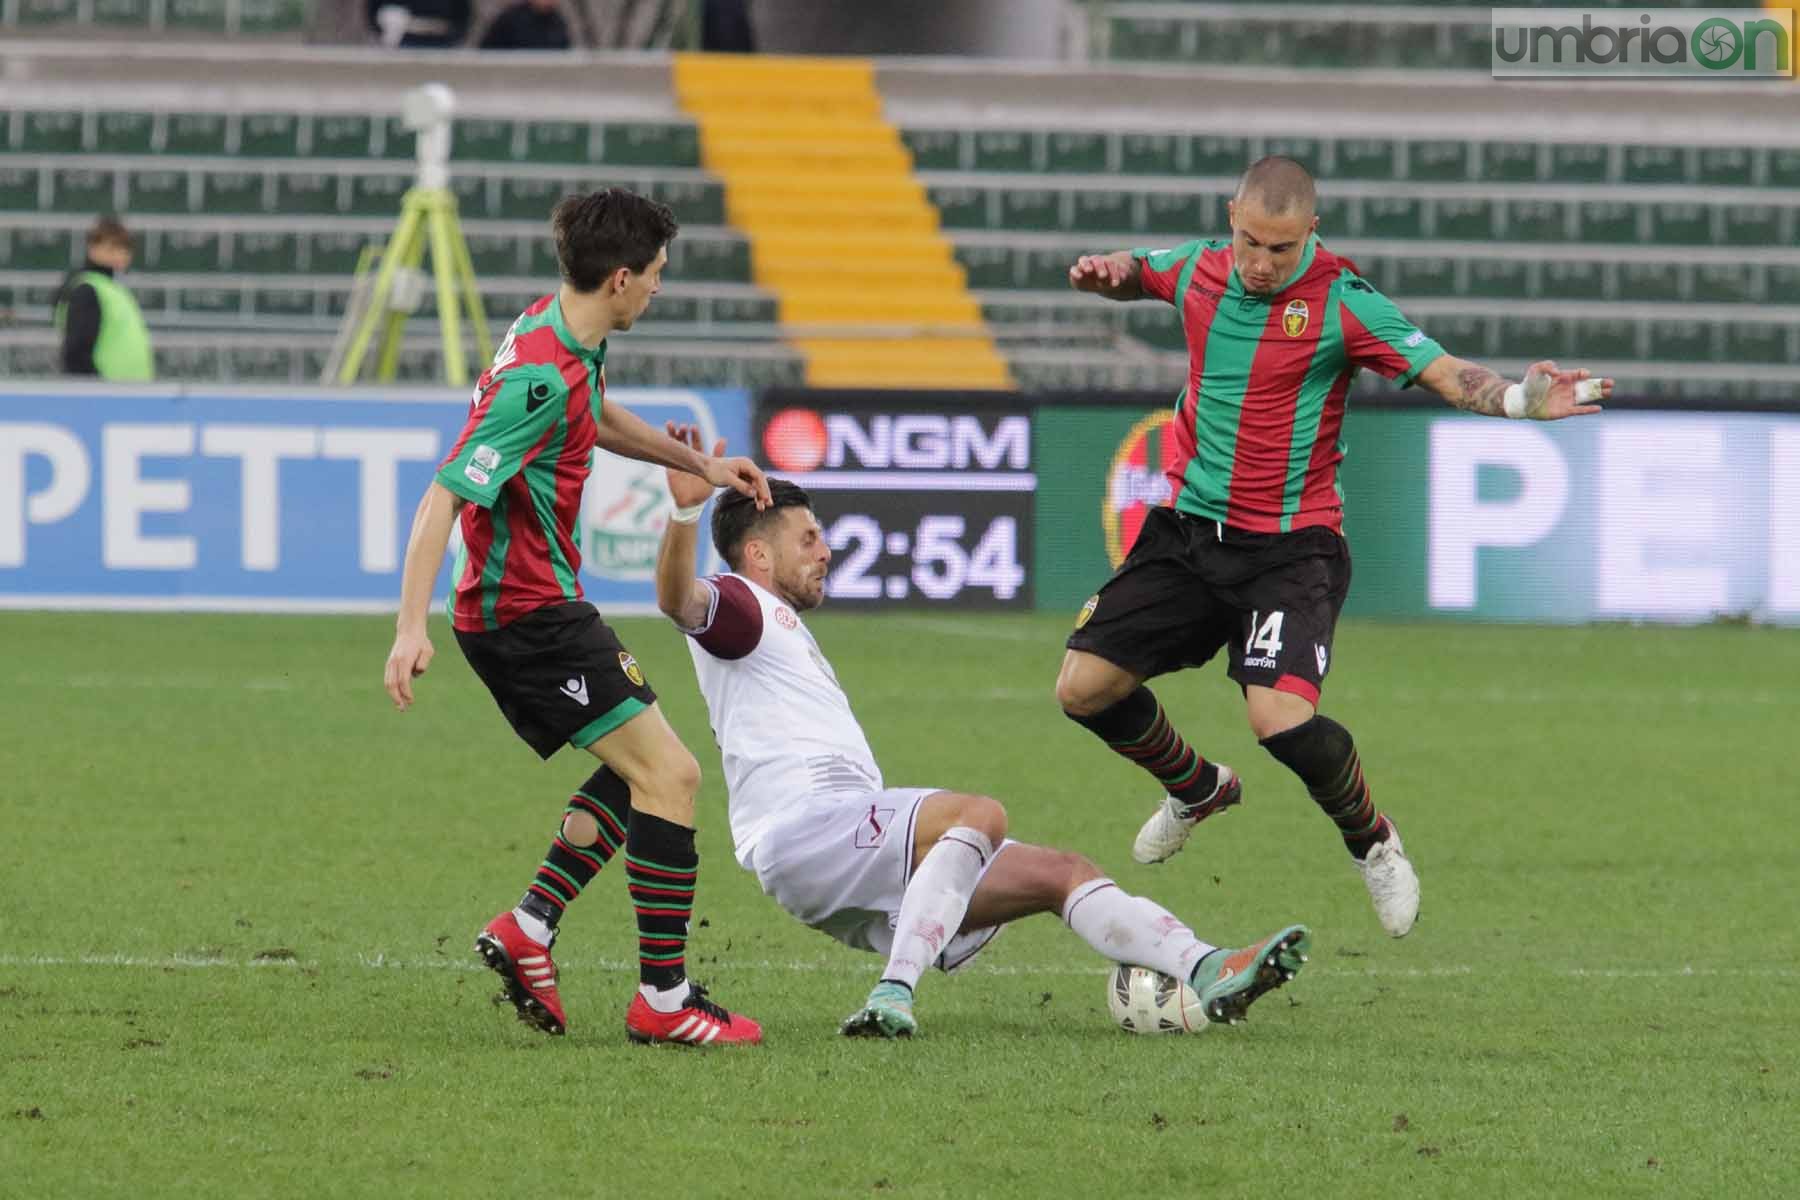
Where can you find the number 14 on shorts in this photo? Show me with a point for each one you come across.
(1265, 635)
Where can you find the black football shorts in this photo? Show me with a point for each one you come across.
(559, 675)
(1191, 586)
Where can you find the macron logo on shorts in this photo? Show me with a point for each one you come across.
(576, 690)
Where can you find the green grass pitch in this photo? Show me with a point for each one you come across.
(239, 895)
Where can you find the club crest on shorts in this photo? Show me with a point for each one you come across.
(1087, 611)
(874, 827)
(1294, 318)
(632, 671)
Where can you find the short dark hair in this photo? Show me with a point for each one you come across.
(735, 519)
(600, 232)
(1280, 185)
(109, 231)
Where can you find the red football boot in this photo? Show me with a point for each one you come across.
(526, 969)
(699, 1022)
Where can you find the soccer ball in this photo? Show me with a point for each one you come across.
(1146, 1001)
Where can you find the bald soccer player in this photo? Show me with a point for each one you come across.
(1249, 552)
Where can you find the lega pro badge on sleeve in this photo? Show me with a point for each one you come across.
(485, 460)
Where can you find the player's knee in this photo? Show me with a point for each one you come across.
(1075, 870)
(1277, 712)
(580, 829)
(1315, 748)
(684, 775)
(1078, 697)
(984, 814)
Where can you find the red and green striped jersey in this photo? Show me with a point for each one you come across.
(521, 462)
(1257, 429)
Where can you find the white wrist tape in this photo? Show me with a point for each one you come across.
(1512, 403)
(689, 515)
(1588, 391)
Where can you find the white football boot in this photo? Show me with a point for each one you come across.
(1393, 884)
(1166, 832)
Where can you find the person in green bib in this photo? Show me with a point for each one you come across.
(103, 333)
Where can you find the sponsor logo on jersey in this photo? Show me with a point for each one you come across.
(476, 475)
(785, 618)
(1136, 483)
(575, 688)
(632, 671)
(1087, 611)
(1294, 318)
(1415, 338)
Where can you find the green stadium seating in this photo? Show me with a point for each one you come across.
(1509, 162)
(1724, 283)
(157, 191)
(225, 193)
(18, 189)
(1563, 279)
(377, 195)
(1003, 151)
(1683, 341)
(48, 12)
(266, 253)
(1532, 337)
(1472, 220)
(561, 142)
(988, 266)
(308, 194)
(334, 253)
(52, 133)
(1422, 276)
(209, 302)
(82, 190)
(648, 145)
(1500, 278)
(1222, 156)
(1462, 335)
(124, 133)
(484, 140)
(1033, 209)
(284, 303)
(1102, 212)
(193, 133)
(1184, 213)
(341, 136)
(694, 203)
(269, 135)
(1650, 280)
(1725, 166)
(1150, 154)
(1077, 153)
(526, 199)
(1686, 224)
(934, 149)
(41, 250)
(196, 16)
(1752, 225)
(1365, 158)
(267, 17)
(1437, 161)
(1607, 221)
(1656, 164)
(1784, 168)
(1604, 338)
(1391, 218)
(1578, 162)
(960, 207)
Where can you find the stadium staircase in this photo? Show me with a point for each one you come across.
(840, 231)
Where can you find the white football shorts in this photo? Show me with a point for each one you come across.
(841, 865)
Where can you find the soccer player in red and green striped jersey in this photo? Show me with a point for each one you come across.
(557, 672)
(1249, 553)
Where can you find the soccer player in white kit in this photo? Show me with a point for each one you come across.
(926, 875)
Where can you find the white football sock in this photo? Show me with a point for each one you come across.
(665, 1000)
(936, 900)
(533, 927)
(1131, 929)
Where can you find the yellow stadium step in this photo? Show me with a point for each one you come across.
(830, 306)
(927, 362)
(903, 276)
(798, 156)
(829, 213)
(840, 230)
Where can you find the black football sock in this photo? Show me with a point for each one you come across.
(1322, 754)
(660, 870)
(1138, 729)
(568, 868)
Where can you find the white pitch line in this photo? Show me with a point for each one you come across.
(381, 961)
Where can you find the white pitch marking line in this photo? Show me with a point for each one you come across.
(384, 962)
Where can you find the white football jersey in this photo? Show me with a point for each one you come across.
(784, 726)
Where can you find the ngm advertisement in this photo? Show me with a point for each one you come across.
(1624, 516)
(926, 498)
(284, 500)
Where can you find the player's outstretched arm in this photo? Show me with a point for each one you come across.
(1547, 393)
(1117, 276)
(678, 593)
(412, 651)
(624, 432)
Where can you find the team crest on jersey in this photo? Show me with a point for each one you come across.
(632, 671)
(1087, 611)
(784, 618)
(1295, 317)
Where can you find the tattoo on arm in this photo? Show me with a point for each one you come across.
(1478, 390)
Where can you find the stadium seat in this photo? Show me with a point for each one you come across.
(1726, 166)
(1221, 156)
(1604, 338)
(265, 253)
(1509, 162)
(40, 250)
(1649, 280)
(1761, 342)
(1607, 221)
(338, 135)
(1077, 153)
(1540, 221)
(1754, 225)
(1002, 151)
(652, 145)
(1397, 217)
(1656, 164)
(228, 193)
(1437, 161)
(1683, 341)
(1150, 154)
(1472, 220)
(18, 189)
(1724, 283)
(195, 133)
(124, 133)
(1687, 224)
(1426, 275)
(1566, 279)
(52, 133)
(1364, 158)
(562, 141)
(1499, 278)
(306, 194)
(158, 191)
(269, 135)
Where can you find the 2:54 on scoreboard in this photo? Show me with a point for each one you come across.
(971, 558)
